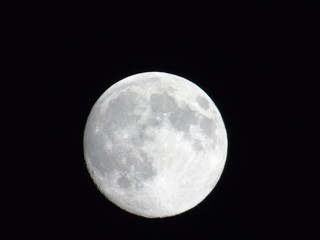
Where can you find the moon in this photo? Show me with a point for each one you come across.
(155, 144)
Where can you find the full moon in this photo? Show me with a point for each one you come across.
(155, 144)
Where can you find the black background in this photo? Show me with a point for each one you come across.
(244, 57)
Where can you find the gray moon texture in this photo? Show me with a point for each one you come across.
(155, 144)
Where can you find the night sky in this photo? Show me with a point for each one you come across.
(241, 55)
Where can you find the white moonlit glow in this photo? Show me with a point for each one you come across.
(155, 144)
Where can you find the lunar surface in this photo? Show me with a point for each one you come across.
(155, 144)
